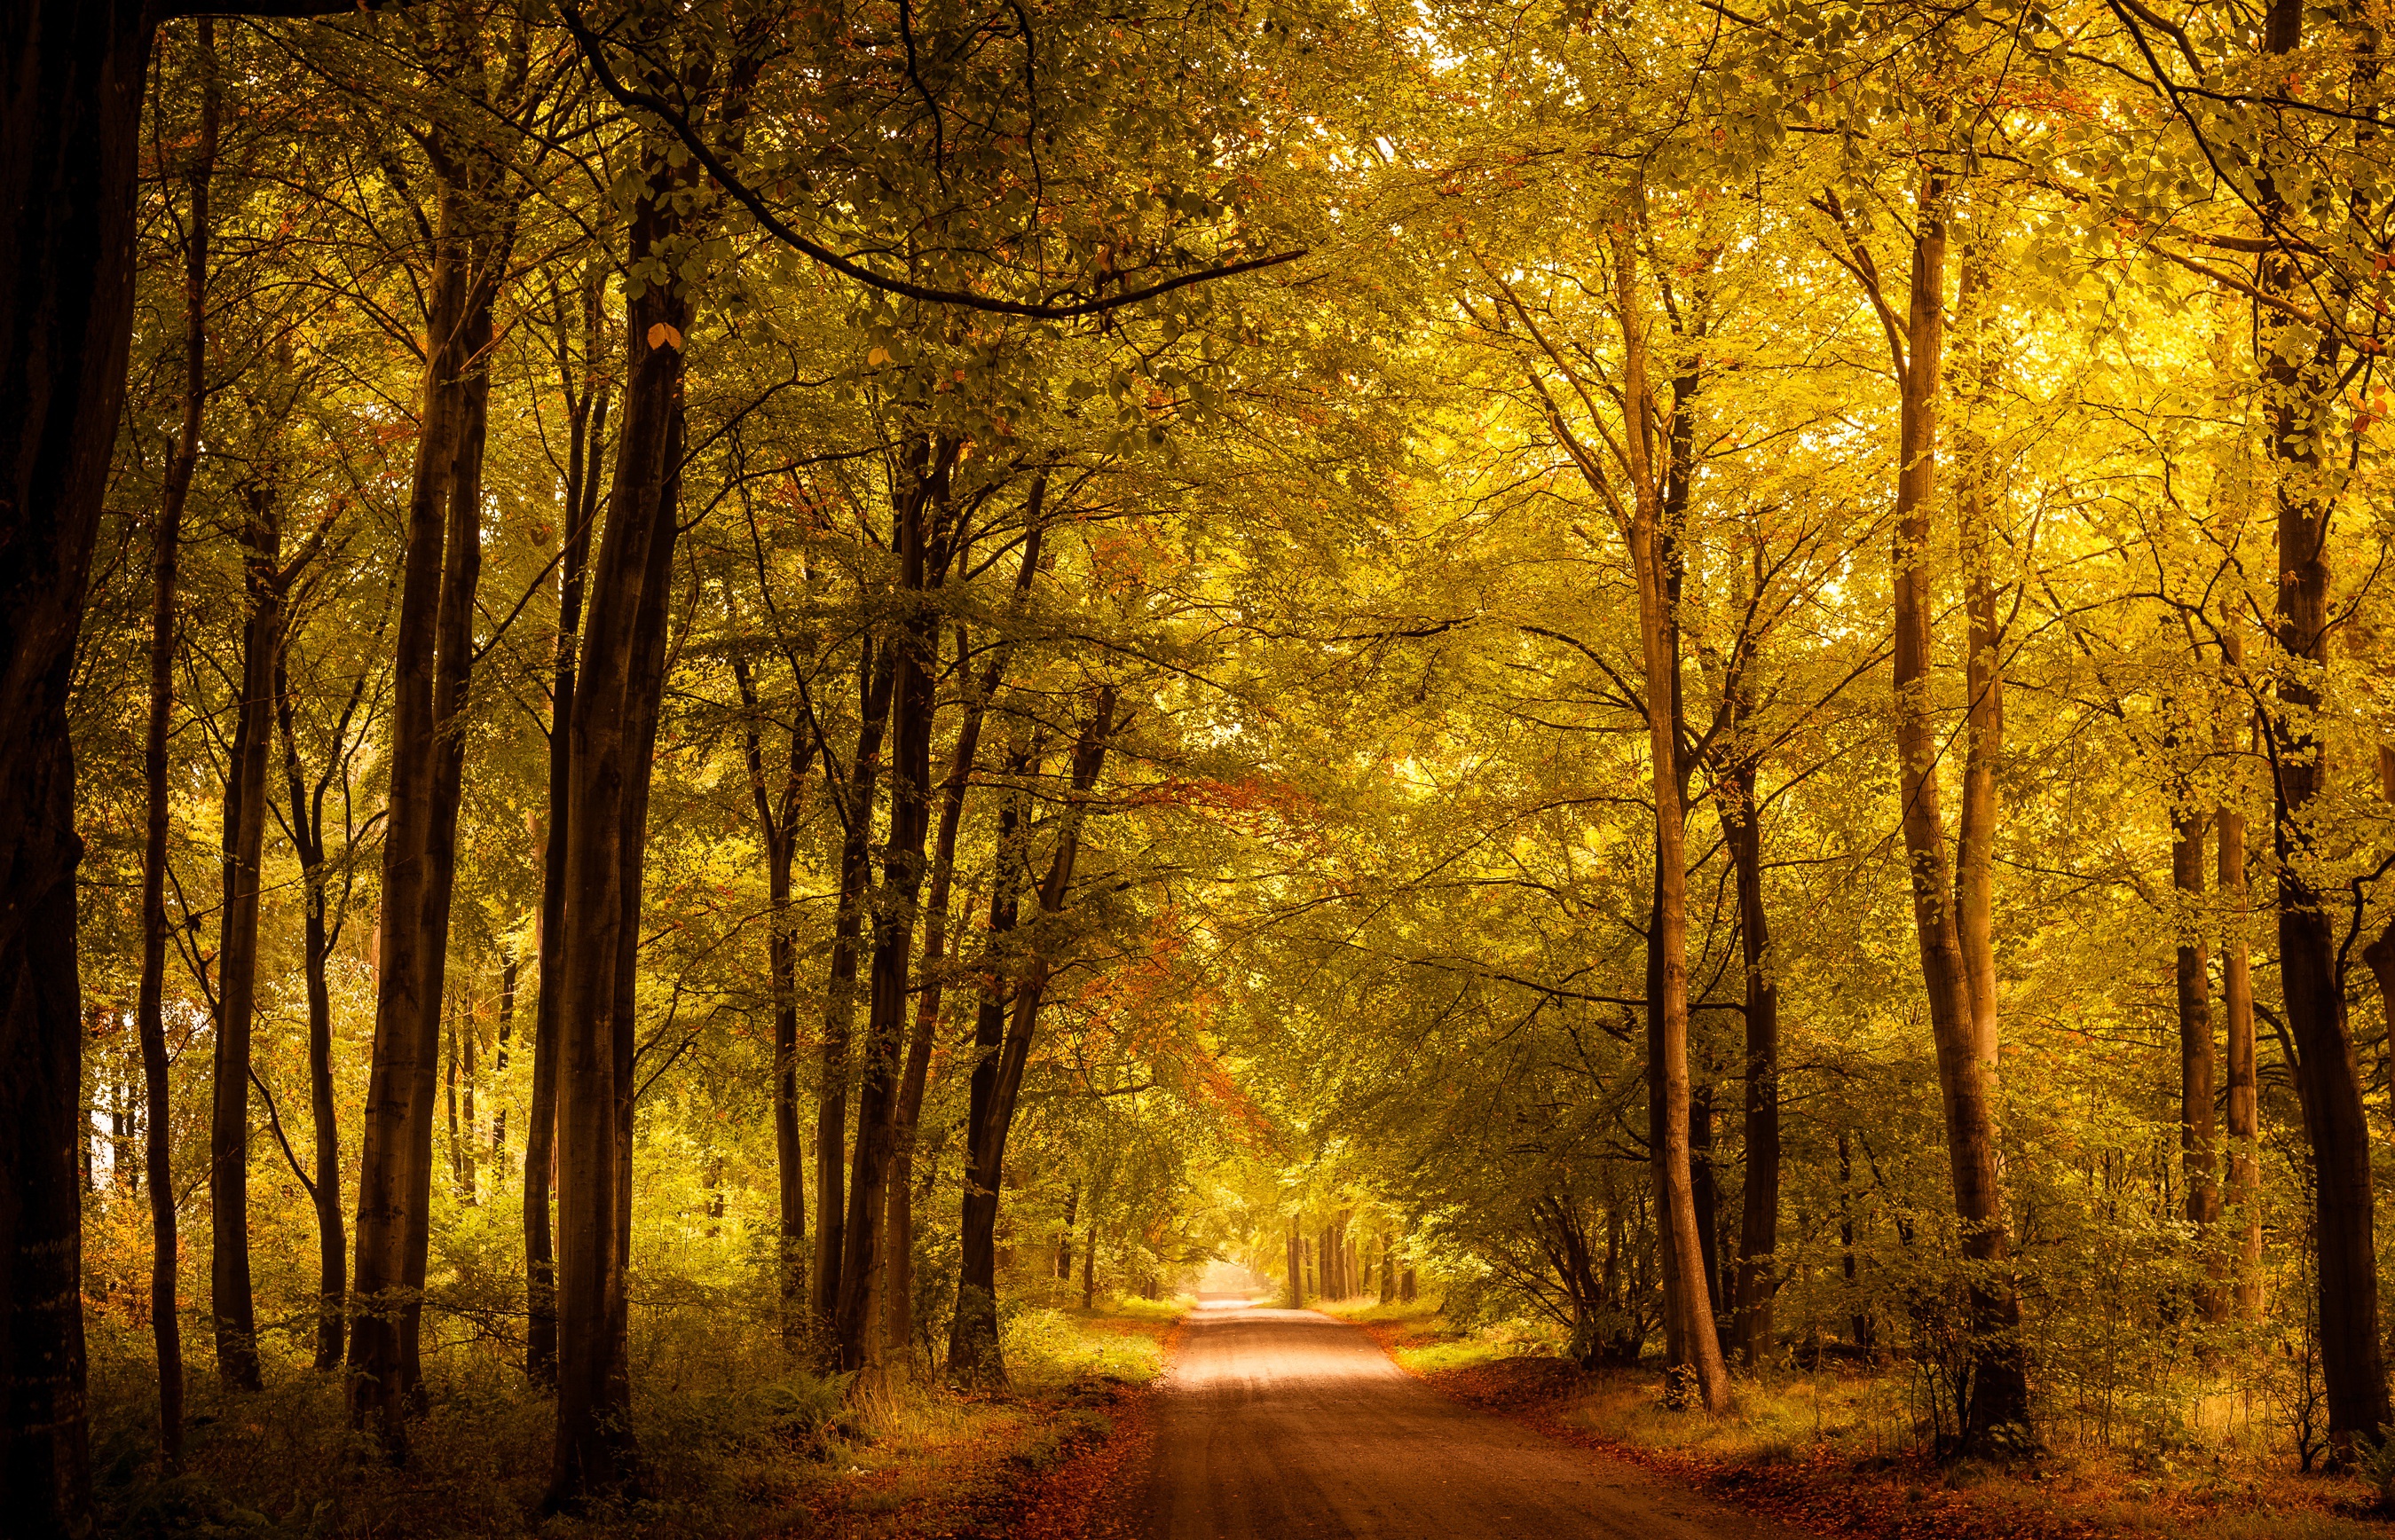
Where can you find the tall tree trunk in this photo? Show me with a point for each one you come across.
(507, 975)
(308, 836)
(1950, 908)
(587, 433)
(973, 1353)
(875, 678)
(432, 649)
(2192, 977)
(1296, 1269)
(2243, 1107)
(899, 1308)
(230, 1302)
(613, 721)
(449, 1094)
(165, 1326)
(70, 139)
(1065, 1232)
(921, 512)
(2298, 382)
(1646, 537)
(1759, 1236)
(973, 1336)
(777, 824)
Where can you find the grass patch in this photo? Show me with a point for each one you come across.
(1048, 1347)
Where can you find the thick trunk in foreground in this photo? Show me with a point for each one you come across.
(70, 134)
(613, 717)
(2301, 380)
(70, 120)
(432, 647)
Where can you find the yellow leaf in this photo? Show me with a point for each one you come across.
(663, 335)
(878, 357)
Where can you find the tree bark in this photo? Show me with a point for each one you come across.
(973, 1337)
(587, 434)
(433, 653)
(1759, 1213)
(2298, 382)
(1951, 911)
(166, 1327)
(2193, 980)
(2243, 1100)
(307, 828)
(973, 1355)
(230, 1302)
(70, 139)
(612, 724)
(875, 678)
(918, 536)
(777, 824)
(1645, 535)
(899, 1308)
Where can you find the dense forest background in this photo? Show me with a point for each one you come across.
(755, 688)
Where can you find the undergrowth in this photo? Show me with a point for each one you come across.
(725, 1450)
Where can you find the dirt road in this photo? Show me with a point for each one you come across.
(1285, 1425)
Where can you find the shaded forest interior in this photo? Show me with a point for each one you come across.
(728, 728)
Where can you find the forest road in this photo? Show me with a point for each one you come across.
(1286, 1425)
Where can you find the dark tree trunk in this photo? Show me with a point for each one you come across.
(2243, 1102)
(899, 1307)
(588, 434)
(230, 1301)
(876, 677)
(307, 827)
(433, 653)
(508, 978)
(973, 1337)
(613, 725)
(165, 1326)
(2197, 1074)
(973, 1354)
(777, 824)
(70, 133)
(1296, 1269)
(70, 120)
(2328, 1078)
(917, 536)
(1759, 1215)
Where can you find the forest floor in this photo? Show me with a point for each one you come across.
(726, 1454)
(1808, 1452)
(1060, 1456)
